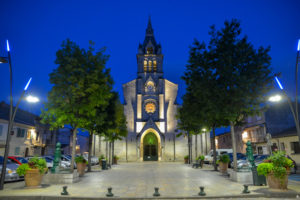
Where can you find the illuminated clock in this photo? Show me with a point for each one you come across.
(150, 107)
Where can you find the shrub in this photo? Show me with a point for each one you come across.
(186, 157)
(101, 157)
(116, 157)
(276, 164)
(224, 158)
(80, 159)
(33, 163)
(201, 157)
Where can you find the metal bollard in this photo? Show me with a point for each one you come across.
(156, 193)
(65, 192)
(109, 193)
(246, 191)
(201, 193)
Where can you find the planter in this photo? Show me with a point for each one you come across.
(223, 167)
(115, 161)
(201, 163)
(186, 161)
(100, 163)
(276, 183)
(33, 178)
(81, 168)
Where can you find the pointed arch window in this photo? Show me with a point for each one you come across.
(149, 50)
(145, 65)
(150, 65)
(154, 66)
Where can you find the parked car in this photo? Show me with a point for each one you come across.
(66, 160)
(17, 159)
(239, 156)
(11, 174)
(94, 159)
(246, 164)
(208, 159)
(49, 161)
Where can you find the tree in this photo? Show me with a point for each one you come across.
(116, 122)
(80, 84)
(243, 72)
(226, 80)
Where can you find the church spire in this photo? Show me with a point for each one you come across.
(149, 30)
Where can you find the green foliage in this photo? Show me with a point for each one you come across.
(186, 157)
(21, 170)
(33, 163)
(80, 159)
(116, 157)
(201, 157)
(264, 168)
(277, 164)
(224, 158)
(101, 157)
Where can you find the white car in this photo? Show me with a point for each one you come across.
(208, 159)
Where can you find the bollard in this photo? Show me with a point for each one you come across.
(246, 191)
(65, 192)
(109, 193)
(201, 193)
(156, 193)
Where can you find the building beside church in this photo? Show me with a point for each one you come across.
(150, 108)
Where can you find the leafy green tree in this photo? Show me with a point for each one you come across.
(81, 86)
(226, 80)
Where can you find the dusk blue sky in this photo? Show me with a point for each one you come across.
(36, 29)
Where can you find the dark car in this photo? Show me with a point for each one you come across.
(11, 174)
(239, 156)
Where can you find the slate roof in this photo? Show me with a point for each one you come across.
(285, 133)
(22, 116)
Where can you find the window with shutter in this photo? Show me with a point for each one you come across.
(19, 132)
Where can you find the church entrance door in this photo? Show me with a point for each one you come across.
(150, 147)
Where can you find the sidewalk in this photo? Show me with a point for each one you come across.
(137, 180)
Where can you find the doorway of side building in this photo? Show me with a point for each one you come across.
(150, 143)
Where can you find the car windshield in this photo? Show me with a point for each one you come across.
(22, 160)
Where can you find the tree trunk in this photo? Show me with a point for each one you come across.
(73, 149)
(109, 153)
(113, 151)
(126, 148)
(189, 149)
(214, 149)
(196, 148)
(90, 151)
(202, 143)
(233, 146)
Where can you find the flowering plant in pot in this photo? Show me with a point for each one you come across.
(81, 163)
(186, 159)
(115, 159)
(276, 169)
(33, 171)
(223, 163)
(201, 159)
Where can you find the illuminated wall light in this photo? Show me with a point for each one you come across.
(245, 135)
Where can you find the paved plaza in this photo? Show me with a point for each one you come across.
(137, 180)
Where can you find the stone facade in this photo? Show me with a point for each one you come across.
(150, 108)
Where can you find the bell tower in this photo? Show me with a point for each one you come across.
(149, 57)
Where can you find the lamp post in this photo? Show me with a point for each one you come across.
(293, 110)
(12, 113)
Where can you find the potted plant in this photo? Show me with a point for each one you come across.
(33, 171)
(200, 159)
(276, 169)
(186, 159)
(81, 164)
(115, 160)
(101, 157)
(223, 163)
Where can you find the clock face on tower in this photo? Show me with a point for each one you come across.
(150, 107)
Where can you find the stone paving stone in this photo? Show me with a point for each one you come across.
(139, 180)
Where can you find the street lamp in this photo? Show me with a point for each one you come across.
(294, 111)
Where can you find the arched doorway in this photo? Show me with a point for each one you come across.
(150, 148)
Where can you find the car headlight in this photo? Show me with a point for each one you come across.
(9, 171)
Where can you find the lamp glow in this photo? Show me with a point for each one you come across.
(245, 135)
(203, 129)
(32, 99)
(298, 48)
(275, 98)
(27, 84)
(278, 82)
(7, 46)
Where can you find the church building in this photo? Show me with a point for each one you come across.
(150, 108)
